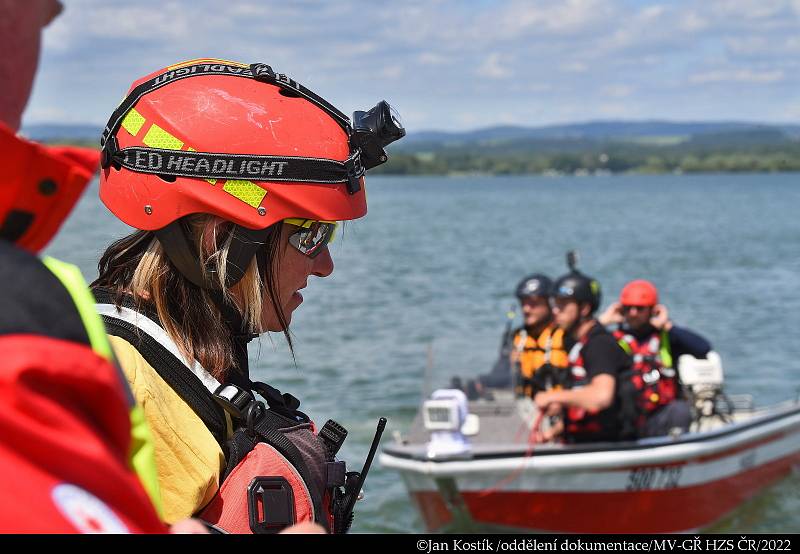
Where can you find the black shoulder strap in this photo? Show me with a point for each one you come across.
(265, 429)
(199, 398)
(176, 375)
(269, 434)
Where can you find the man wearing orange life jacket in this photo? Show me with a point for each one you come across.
(538, 355)
(590, 405)
(645, 332)
(532, 357)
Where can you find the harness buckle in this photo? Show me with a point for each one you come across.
(333, 435)
(234, 400)
(110, 149)
(275, 498)
(355, 170)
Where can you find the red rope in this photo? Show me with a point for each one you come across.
(517, 472)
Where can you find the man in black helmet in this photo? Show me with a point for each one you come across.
(537, 345)
(589, 403)
(538, 357)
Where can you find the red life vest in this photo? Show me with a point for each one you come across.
(40, 185)
(653, 377)
(70, 438)
(579, 422)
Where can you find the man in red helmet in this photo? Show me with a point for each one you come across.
(645, 331)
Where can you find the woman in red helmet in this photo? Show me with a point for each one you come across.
(646, 333)
(234, 177)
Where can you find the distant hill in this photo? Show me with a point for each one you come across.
(596, 147)
(633, 131)
(599, 147)
(52, 132)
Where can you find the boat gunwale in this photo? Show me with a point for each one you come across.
(715, 438)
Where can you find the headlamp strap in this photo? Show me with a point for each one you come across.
(205, 165)
(258, 71)
(264, 73)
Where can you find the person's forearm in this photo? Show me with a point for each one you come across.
(588, 398)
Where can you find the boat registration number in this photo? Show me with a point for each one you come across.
(654, 478)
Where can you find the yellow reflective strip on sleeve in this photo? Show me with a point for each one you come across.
(133, 122)
(142, 457)
(665, 349)
(70, 276)
(157, 137)
(246, 191)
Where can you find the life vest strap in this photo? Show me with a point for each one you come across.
(162, 357)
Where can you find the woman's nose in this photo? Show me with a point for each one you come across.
(323, 263)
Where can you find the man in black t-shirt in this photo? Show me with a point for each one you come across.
(589, 406)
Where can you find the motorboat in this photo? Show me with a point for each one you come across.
(472, 466)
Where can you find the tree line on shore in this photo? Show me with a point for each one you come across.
(608, 158)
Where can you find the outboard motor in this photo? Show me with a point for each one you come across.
(702, 380)
(446, 416)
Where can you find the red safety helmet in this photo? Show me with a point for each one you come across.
(639, 293)
(241, 142)
(220, 112)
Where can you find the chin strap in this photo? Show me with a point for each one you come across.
(240, 338)
(185, 256)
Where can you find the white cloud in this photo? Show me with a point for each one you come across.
(564, 17)
(738, 76)
(652, 12)
(749, 9)
(574, 67)
(693, 22)
(494, 68)
(573, 55)
(392, 72)
(617, 91)
(432, 58)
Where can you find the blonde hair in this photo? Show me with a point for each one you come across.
(138, 266)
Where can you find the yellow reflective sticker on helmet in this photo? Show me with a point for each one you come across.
(157, 137)
(246, 191)
(133, 122)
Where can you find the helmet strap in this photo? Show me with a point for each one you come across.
(184, 254)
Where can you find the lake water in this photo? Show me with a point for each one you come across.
(422, 285)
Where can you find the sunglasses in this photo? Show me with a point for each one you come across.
(628, 309)
(312, 236)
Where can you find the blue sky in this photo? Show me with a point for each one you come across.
(448, 64)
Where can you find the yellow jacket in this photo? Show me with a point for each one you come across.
(188, 458)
